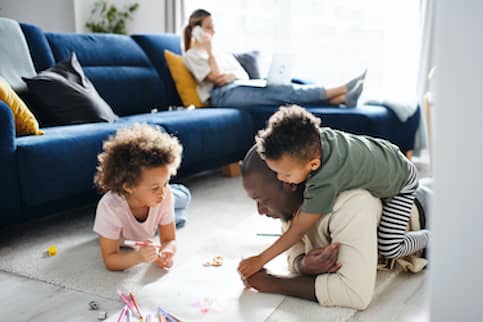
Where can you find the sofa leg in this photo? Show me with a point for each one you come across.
(232, 170)
(409, 154)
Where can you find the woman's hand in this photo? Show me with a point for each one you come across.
(205, 43)
(223, 79)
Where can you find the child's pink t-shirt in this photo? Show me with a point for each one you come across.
(114, 219)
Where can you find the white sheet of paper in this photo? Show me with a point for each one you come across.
(197, 293)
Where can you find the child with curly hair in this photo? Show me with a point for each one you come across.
(133, 173)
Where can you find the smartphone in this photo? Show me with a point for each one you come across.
(197, 33)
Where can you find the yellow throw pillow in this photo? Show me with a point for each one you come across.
(184, 81)
(25, 122)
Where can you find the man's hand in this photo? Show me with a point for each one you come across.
(250, 266)
(320, 260)
(261, 281)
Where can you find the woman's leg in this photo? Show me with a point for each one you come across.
(335, 92)
(235, 95)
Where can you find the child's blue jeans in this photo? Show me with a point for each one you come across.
(182, 198)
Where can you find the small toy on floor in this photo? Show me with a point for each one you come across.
(93, 305)
(101, 315)
(52, 250)
(216, 261)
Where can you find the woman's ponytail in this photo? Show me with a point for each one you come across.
(196, 18)
(187, 37)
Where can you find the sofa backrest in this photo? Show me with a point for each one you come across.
(154, 46)
(116, 65)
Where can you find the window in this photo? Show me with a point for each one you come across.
(330, 41)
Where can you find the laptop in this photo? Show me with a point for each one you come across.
(279, 73)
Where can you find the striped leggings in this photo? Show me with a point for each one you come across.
(393, 239)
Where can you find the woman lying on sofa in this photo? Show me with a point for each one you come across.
(216, 72)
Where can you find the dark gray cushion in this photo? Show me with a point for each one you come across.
(249, 62)
(62, 94)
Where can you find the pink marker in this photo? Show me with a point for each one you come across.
(126, 300)
(140, 243)
(122, 316)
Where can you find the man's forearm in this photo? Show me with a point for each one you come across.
(299, 286)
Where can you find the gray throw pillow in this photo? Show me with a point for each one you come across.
(62, 94)
(249, 62)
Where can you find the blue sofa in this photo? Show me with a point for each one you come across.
(46, 174)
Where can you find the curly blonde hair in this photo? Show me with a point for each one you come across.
(129, 151)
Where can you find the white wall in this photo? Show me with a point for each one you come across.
(71, 15)
(457, 220)
(50, 15)
(149, 18)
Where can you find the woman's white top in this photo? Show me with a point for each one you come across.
(196, 60)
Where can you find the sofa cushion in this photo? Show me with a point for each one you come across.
(154, 46)
(211, 137)
(376, 121)
(39, 47)
(66, 96)
(62, 162)
(118, 68)
(184, 81)
(25, 121)
(249, 61)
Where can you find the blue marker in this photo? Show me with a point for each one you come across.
(166, 314)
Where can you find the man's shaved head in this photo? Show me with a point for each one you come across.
(274, 198)
(252, 163)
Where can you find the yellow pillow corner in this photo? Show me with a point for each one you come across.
(185, 83)
(25, 121)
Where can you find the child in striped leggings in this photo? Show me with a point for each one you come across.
(298, 150)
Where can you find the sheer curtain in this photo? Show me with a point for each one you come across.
(174, 16)
(330, 41)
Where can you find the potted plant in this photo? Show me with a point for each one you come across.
(110, 19)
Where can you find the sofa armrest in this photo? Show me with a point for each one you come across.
(7, 129)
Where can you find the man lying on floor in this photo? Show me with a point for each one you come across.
(337, 259)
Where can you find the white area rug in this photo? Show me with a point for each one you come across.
(219, 205)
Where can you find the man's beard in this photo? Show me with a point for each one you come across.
(286, 216)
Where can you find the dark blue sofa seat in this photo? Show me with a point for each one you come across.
(210, 137)
(372, 120)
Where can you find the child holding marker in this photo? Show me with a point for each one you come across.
(133, 173)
